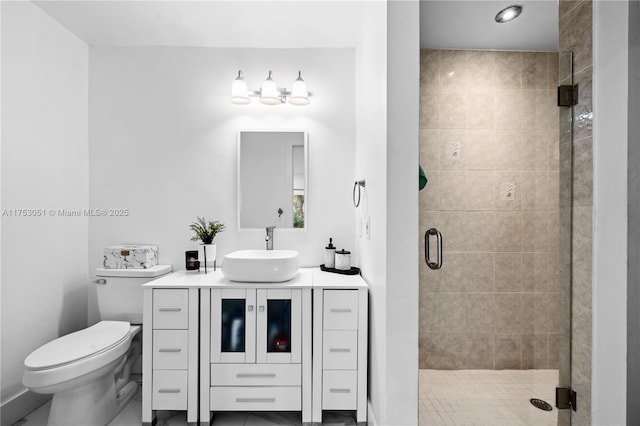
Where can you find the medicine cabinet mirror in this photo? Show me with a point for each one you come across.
(272, 179)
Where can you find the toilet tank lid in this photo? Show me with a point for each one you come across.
(152, 272)
(80, 344)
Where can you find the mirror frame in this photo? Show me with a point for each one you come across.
(305, 135)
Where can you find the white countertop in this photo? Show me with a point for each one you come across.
(306, 278)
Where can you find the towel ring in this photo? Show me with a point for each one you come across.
(357, 184)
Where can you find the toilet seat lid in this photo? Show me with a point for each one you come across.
(78, 345)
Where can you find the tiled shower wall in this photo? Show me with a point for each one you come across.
(489, 146)
(576, 159)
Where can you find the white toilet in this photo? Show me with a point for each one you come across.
(88, 371)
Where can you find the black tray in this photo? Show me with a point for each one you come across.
(352, 271)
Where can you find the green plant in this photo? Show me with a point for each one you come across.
(205, 231)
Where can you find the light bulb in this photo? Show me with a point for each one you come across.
(239, 92)
(299, 93)
(508, 14)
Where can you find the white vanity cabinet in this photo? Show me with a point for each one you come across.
(170, 352)
(340, 310)
(255, 352)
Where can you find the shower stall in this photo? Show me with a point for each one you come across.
(496, 224)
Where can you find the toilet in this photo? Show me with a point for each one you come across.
(88, 371)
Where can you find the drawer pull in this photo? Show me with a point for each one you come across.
(339, 350)
(169, 309)
(255, 376)
(339, 390)
(169, 350)
(341, 310)
(169, 390)
(255, 400)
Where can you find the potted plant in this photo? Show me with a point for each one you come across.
(206, 232)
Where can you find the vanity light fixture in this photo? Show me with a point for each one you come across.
(270, 93)
(508, 14)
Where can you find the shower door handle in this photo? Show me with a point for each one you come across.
(438, 263)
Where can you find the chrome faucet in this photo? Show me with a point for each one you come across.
(269, 237)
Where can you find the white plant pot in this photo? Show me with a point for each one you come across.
(211, 254)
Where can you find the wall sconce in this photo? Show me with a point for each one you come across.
(270, 93)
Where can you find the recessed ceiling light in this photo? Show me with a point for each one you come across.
(508, 14)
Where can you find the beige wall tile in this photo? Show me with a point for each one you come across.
(554, 272)
(453, 69)
(508, 351)
(453, 190)
(553, 202)
(554, 351)
(507, 107)
(507, 190)
(536, 113)
(508, 150)
(553, 68)
(479, 150)
(583, 172)
(430, 194)
(481, 69)
(480, 272)
(576, 34)
(479, 190)
(534, 351)
(453, 274)
(534, 70)
(508, 313)
(480, 109)
(453, 226)
(583, 110)
(479, 351)
(508, 231)
(429, 109)
(581, 382)
(554, 150)
(480, 231)
(554, 231)
(508, 70)
(430, 69)
(508, 268)
(453, 109)
(535, 231)
(535, 190)
(535, 272)
(535, 150)
(534, 312)
(453, 149)
(582, 238)
(553, 305)
(430, 141)
(480, 309)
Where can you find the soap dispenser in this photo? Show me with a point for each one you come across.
(330, 255)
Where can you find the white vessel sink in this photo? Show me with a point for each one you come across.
(260, 266)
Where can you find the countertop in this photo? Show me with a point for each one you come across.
(306, 278)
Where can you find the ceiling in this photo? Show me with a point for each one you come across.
(471, 25)
(451, 24)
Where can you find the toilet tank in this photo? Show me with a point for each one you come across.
(120, 291)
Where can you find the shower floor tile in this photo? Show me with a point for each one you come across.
(486, 397)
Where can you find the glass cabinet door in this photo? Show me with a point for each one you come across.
(278, 326)
(233, 325)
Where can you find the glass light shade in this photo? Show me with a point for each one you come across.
(508, 14)
(239, 92)
(299, 93)
(269, 94)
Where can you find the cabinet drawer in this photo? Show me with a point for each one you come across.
(256, 375)
(169, 390)
(246, 398)
(339, 389)
(171, 309)
(340, 310)
(170, 349)
(340, 350)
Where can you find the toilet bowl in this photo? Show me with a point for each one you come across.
(88, 371)
(83, 371)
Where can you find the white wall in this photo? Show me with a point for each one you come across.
(610, 88)
(387, 88)
(45, 165)
(371, 165)
(163, 144)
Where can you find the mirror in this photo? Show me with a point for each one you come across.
(272, 179)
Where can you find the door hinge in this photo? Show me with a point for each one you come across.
(567, 95)
(566, 398)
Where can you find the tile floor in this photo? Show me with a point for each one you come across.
(486, 397)
(447, 397)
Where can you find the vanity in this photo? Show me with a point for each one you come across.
(221, 345)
